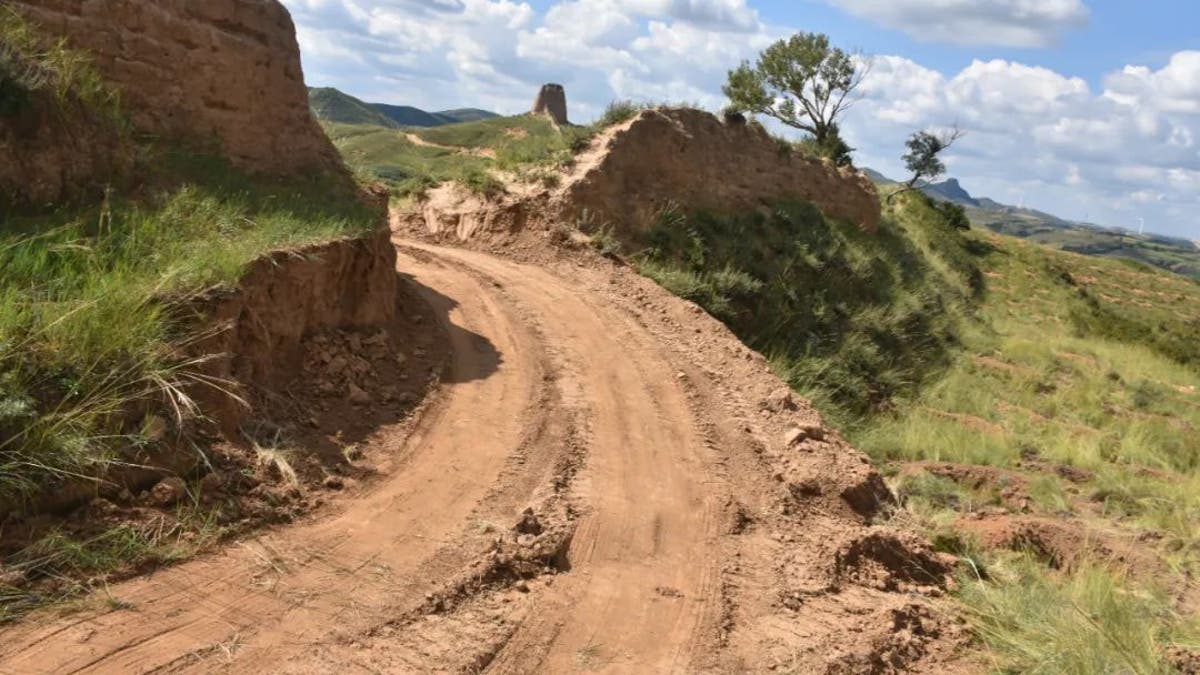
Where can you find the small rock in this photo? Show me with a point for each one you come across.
(333, 483)
(799, 433)
(102, 507)
(522, 586)
(376, 339)
(401, 358)
(168, 491)
(212, 482)
(356, 395)
(529, 523)
(779, 400)
(813, 431)
(793, 436)
(526, 540)
(11, 578)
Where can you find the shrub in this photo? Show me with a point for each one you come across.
(733, 117)
(481, 182)
(617, 112)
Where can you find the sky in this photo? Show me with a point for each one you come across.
(1087, 109)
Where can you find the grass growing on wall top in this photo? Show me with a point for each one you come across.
(30, 63)
(85, 296)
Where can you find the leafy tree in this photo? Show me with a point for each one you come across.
(922, 158)
(803, 82)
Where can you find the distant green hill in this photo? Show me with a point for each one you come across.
(332, 105)
(1169, 253)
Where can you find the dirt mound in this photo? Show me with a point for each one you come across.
(223, 69)
(1060, 543)
(891, 561)
(282, 298)
(691, 158)
(633, 170)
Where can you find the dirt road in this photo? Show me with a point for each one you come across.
(668, 529)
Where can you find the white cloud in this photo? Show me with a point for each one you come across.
(1012, 23)
(1174, 88)
(1033, 135)
(1037, 136)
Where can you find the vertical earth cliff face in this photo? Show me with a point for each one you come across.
(690, 158)
(212, 70)
(284, 297)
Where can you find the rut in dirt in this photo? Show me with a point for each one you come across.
(598, 486)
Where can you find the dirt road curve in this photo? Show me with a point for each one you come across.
(666, 531)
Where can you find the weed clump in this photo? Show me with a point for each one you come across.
(617, 112)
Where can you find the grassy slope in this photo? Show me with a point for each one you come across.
(852, 319)
(85, 297)
(1174, 255)
(330, 104)
(85, 292)
(468, 152)
(927, 344)
(1060, 368)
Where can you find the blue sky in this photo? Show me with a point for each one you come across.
(1083, 108)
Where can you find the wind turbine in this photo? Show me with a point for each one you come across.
(1142, 226)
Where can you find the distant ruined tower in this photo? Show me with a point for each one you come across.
(552, 101)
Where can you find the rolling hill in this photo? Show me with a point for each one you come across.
(1170, 253)
(333, 105)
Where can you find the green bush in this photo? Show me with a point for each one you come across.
(481, 182)
(617, 112)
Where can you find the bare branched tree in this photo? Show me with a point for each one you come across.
(922, 158)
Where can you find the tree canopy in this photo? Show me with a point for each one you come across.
(803, 82)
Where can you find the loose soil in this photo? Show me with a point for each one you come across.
(605, 480)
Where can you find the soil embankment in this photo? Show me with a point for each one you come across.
(223, 70)
(608, 480)
(663, 157)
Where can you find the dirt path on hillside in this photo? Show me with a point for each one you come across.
(599, 486)
(478, 152)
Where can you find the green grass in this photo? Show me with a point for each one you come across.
(88, 296)
(468, 152)
(924, 342)
(849, 318)
(407, 168)
(1093, 621)
(518, 141)
(31, 64)
(61, 566)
